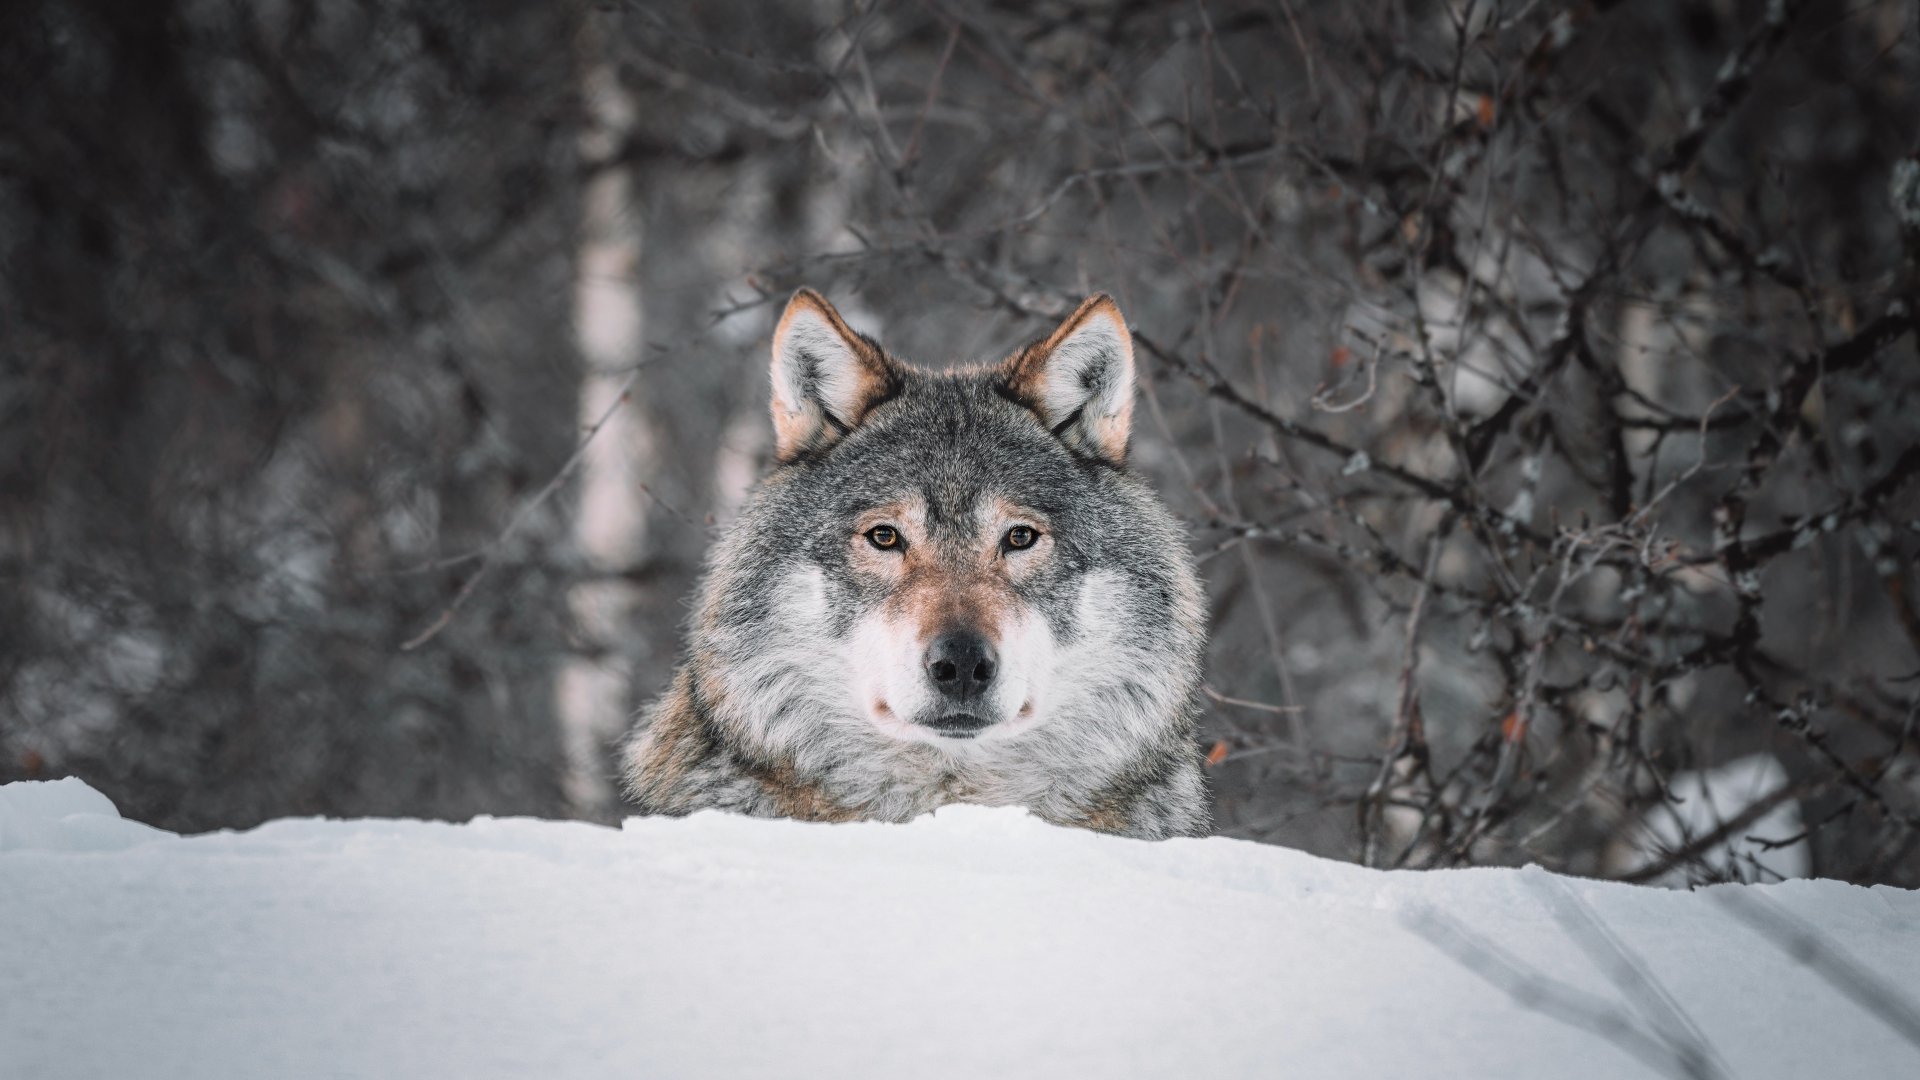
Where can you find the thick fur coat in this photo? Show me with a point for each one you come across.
(950, 588)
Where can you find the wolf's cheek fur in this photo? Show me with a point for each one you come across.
(785, 685)
(1110, 677)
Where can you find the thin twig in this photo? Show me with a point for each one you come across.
(489, 554)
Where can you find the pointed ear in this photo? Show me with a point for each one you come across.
(826, 377)
(1080, 380)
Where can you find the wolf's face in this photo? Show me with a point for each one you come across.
(944, 644)
(959, 562)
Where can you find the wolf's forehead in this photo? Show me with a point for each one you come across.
(951, 509)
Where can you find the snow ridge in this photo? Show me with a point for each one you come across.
(973, 942)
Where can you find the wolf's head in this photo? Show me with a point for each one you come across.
(951, 567)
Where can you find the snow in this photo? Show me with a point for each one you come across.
(65, 815)
(973, 942)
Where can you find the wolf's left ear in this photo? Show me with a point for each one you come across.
(1080, 380)
(826, 377)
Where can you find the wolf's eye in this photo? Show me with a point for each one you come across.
(1021, 537)
(884, 537)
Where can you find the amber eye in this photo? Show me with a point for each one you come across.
(1021, 537)
(884, 537)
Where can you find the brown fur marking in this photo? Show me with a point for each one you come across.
(679, 742)
(797, 798)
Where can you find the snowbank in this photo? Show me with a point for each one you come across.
(971, 943)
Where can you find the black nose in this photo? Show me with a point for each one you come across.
(961, 664)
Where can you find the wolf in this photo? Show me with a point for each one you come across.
(949, 588)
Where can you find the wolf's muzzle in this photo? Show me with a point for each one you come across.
(961, 665)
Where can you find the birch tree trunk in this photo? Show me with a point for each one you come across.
(594, 687)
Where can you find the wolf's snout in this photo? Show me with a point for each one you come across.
(961, 665)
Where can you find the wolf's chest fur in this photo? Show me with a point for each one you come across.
(949, 589)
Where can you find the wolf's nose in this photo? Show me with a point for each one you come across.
(961, 664)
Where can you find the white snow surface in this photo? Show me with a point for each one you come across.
(973, 942)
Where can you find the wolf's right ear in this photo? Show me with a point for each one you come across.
(826, 377)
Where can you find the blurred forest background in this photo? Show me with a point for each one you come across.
(1538, 382)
